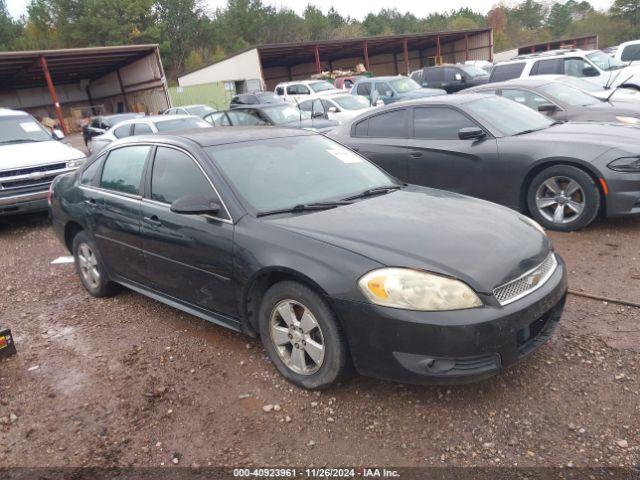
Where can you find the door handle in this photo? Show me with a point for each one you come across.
(153, 221)
(415, 154)
(91, 202)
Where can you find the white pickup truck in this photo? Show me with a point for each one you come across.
(30, 158)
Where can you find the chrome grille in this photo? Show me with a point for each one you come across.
(527, 283)
(33, 177)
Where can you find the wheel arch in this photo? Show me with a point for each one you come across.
(549, 162)
(257, 286)
(71, 229)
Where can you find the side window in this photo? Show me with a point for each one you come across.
(450, 74)
(235, 100)
(435, 74)
(297, 90)
(218, 119)
(279, 91)
(575, 67)
(630, 53)
(175, 175)
(439, 123)
(364, 89)
(552, 66)
(141, 129)
(306, 105)
(89, 174)
(525, 97)
(501, 73)
(123, 131)
(383, 89)
(362, 129)
(123, 169)
(318, 107)
(417, 76)
(389, 124)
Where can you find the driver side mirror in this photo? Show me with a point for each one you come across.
(471, 133)
(547, 108)
(590, 72)
(57, 134)
(318, 114)
(333, 110)
(195, 205)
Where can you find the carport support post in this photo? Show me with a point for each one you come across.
(124, 97)
(466, 47)
(366, 56)
(318, 66)
(52, 92)
(405, 51)
(438, 62)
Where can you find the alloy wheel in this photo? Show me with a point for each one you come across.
(560, 200)
(297, 337)
(88, 265)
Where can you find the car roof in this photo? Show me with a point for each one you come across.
(383, 78)
(194, 105)
(7, 112)
(208, 137)
(457, 99)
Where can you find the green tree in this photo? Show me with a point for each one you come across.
(10, 30)
(529, 13)
(559, 19)
(629, 9)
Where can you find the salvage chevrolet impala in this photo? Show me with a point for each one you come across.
(289, 236)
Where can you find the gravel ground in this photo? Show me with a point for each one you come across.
(127, 381)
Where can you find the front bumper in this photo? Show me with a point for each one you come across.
(451, 347)
(24, 203)
(624, 194)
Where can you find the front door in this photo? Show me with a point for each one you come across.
(438, 158)
(115, 211)
(189, 257)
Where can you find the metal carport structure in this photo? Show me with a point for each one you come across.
(77, 77)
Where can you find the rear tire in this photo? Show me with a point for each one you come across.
(301, 336)
(90, 268)
(563, 198)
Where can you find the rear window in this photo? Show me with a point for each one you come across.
(630, 53)
(501, 73)
(552, 66)
(180, 124)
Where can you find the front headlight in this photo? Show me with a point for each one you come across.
(76, 162)
(415, 290)
(626, 165)
(628, 120)
(534, 224)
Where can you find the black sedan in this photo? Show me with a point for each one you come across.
(279, 114)
(103, 123)
(563, 175)
(562, 102)
(288, 235)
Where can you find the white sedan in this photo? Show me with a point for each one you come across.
(340, 107)
(146, 126)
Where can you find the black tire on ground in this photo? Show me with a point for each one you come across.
(102, 287)
(588, 196)
(334, 365)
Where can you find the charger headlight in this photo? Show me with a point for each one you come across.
(628, 120)
(416, 290)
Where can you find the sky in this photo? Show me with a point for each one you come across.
(354, 8)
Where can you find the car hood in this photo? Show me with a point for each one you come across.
(591, 133)
(22, 155)
(481, 243)
(614, 108)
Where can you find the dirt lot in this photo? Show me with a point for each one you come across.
(128, 381)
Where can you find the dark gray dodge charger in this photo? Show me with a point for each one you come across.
(563, 175)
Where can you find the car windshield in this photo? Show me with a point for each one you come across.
(180, 124)
(280, 173)
(21, 129)
(351, 102)
(404, 85)
(200, 110)
(286, 114)
(569, 95)
(507, 116)
(474, 71)
(584, 85)
(321, 86)
(605, 62)
(268, 97)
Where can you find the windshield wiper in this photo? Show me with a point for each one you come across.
(374, 191)
(531, 130)
(303, 207)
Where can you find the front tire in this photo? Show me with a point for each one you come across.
(301, 336)
(563, 198)
(90, 268)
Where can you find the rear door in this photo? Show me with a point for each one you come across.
(382, 138)
(438, 158)
(189, 257)
(116, 204)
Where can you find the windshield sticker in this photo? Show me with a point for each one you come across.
(30, 127)
(346, 156)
